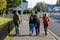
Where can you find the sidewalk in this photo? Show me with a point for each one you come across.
(24, 33)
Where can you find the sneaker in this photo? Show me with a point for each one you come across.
(18, 33)
(30, 33)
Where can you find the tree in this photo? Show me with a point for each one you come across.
(58, 3)
(3, 4)
(13, 3)
(37, 7)
(28, 10)
(41, 6)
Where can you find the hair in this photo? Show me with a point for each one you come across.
(36, 12)
(46, 15)
(32, 15)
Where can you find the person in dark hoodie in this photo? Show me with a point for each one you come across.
(37, 23)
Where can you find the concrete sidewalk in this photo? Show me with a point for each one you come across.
(24, 33)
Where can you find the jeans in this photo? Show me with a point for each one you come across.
(37, 28)
(17, 28)
(31, 28)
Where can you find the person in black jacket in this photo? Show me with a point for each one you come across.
(37, 23)
(16, 21)
(31, 24)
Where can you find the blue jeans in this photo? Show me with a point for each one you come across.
(17, 28)
(31, 28)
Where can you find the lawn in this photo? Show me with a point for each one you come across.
(4, 20)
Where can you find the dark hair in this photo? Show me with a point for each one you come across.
(14, 11)
(32, 15)
(36, 12)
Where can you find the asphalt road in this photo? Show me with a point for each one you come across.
(54, 25)
(55, 17)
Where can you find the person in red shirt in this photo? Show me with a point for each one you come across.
(46, 21)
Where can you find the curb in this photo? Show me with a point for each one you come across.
(54, 36)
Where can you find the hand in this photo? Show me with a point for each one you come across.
(18, 22)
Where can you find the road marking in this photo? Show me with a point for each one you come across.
(53, 35)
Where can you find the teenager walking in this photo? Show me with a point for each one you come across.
(16, 21)
(37, 23)
(46, 21)
(31, 24)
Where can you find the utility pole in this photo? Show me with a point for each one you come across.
(21, 12)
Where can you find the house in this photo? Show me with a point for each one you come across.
(53, 7)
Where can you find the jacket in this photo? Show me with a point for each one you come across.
(46, 21)
(15, 18)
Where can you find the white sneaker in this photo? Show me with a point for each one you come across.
(30, 33)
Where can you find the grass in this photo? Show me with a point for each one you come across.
(11, 33)
(4, 20)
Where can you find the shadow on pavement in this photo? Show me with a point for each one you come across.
(21, 35)
(42, 35)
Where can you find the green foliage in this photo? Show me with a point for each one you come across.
(15, 3)
(58, 3)
(29, 10)
(4, 20)
(41, 6)
(37, 7)
(3, 4)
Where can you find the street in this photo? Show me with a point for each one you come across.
(54, 25)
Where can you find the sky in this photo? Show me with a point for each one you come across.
(32, 3)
